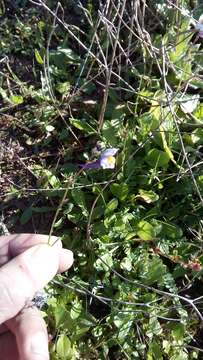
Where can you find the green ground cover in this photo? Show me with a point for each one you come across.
(78, 78)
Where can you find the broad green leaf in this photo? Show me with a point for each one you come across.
(63, 348)
(178, 332)
(61, 57)
(148, 122)
(62, 317)
(69, 53)
(154, 271)
(60, 314)
(153, 327)
(145, 231)
(110, 133)
(98, 212)
(199, 113)
(121, 320)
(179, 50)
(180, 54)
(155, 352)
(157, 158)
(104, 263)
(79, 199)
(147, 196)
(119, 190)
(171, 231)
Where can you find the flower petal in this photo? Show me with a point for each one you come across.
(109, 152)
(92, 165)
(108, 162)
(199, 28)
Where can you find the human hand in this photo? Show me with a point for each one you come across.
(27, 264)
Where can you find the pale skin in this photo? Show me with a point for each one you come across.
(27, 264)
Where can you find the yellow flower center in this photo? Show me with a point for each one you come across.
(111, 160)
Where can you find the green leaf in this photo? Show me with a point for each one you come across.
(197, 136)
(38, 57)
(60, 314)
(119, 190)
(79, 199)
(147, 196)
(16, 99)
(110, 133)
(63, 87)
(153, 271)
(76, 310)
(82, 125)
(180, 355)
(126, 263)
(166, 147)
(155, 352)
(104, 262)
(179, 50)
(157, 158)
(146, 231)
(53, 181)
(98, 212)
(63, 348)
(178, 331)
(147, 122)
(153, 327)
(69, 53)
(61, 57)
(111, 206)
(58, 223)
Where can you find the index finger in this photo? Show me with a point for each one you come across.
(14, 244)
(21, 277)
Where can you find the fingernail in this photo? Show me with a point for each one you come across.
(71, 257)
(66, 260)
(55, 241)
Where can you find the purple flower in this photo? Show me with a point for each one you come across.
(199, 26)
(106, 161)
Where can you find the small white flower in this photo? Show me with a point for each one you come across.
(107, 158)
(199, 26)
